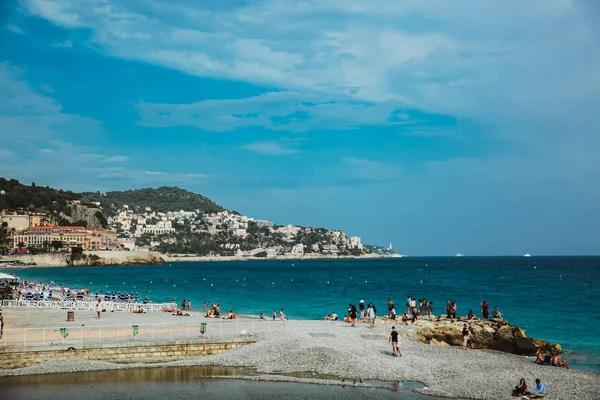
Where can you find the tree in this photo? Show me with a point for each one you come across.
(57, 244)
(21, 246)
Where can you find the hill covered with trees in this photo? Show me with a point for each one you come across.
(16, 196)
(62, 206)
(163, 199)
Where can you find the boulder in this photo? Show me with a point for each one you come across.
(436, 342)
(524, 346)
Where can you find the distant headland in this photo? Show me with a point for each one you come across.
(58, 227)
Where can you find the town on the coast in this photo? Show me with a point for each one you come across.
(166, 220)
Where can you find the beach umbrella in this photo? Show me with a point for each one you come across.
(7, 276)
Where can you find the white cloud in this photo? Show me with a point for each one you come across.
(66, 43)
(46, 88)
(276, 110)
(269, 148)
(115, 159)
(5, 153)
(15, 29)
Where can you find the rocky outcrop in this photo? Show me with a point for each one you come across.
(75, 211)
(494, 335)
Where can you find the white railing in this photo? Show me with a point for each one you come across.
(80, 336)
(85, 305)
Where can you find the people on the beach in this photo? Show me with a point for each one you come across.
(540, 359)
(352, 312)
(281, 315)
(471, 341)
(465, 335)
(485, 310)
(138, 310)
(231, 315)
(497, 313)
(405, 318)
(429, 309)
(274, 315)
(183, 303)
(452, 309)
(371, 315)
(395, 339)
(471, 315)
(520, 389)
(262, 316)
(408, 304)
(538, 392)
(390, 305)
(393, 314)
(189, 305)
(556, 361)
(180, 313)
(98, 308)
(361, 307)
(334, 316)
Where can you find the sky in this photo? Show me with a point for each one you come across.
(439, 126)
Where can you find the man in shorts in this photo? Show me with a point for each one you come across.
(395, 340)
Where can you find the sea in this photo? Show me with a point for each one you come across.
(552, 298)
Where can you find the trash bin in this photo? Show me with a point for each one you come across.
(202, 328)
(135, 330)
(70, 316)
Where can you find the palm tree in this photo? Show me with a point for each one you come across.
(21, 246)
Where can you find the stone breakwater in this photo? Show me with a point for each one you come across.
(488, 334)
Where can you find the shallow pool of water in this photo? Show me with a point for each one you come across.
(185, 383)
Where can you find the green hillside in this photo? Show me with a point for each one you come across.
(163, 199)
(17, 196)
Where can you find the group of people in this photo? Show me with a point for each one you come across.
(185, 304)
(370, 312)
(552, 359)
(538, 392)
(331, 317)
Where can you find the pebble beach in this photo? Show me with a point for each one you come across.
(344, 355)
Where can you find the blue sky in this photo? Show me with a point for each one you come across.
(440, 126)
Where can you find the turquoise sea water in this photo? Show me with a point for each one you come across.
(552, 298)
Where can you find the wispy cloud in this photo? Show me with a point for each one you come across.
(6, 153)
(66, 43)
(290, 111)
(269, 148)
(15, 29)
(115, 159)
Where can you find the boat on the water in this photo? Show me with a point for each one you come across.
(458, 255)
(526, 255)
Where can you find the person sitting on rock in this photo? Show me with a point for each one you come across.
(520, 389)
(405, 318)
(471, 316)
(497, 313)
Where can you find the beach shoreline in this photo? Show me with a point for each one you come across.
(334, 349)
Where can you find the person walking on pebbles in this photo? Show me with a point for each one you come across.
(1, 325)
(395, 339)
(98, 308)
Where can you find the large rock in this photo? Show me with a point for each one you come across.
(495, 335)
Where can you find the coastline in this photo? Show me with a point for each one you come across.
(121, 258)
(315, 349)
